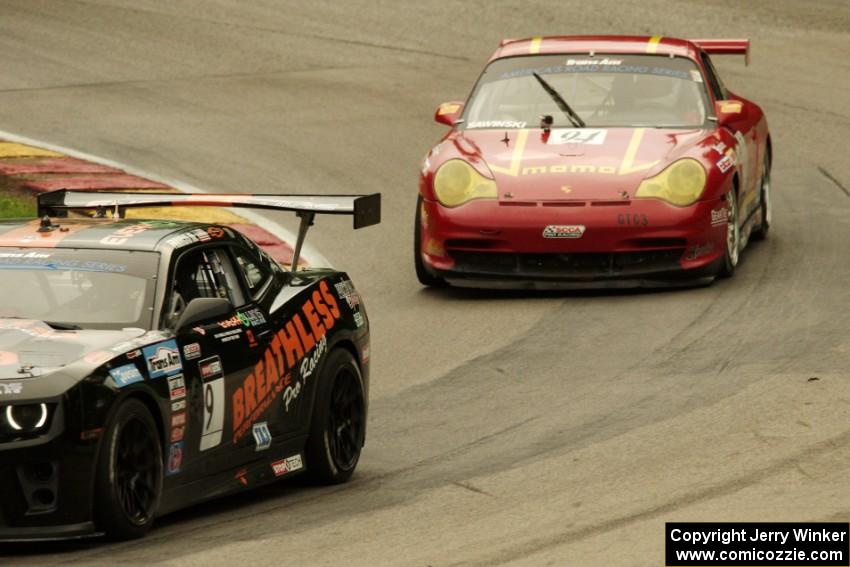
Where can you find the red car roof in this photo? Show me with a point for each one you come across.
(596, 44)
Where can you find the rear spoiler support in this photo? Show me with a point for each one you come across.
(306, 223)
(364, 209)
(725, 47)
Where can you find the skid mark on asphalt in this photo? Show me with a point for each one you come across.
(177, 80)
(823, 171)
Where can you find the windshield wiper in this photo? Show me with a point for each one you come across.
(559, 100)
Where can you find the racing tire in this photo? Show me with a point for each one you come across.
(425, 277)
(733, 237)
(766, 207)
(128, 484)
(338, 426)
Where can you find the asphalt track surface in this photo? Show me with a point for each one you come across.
(522, 429)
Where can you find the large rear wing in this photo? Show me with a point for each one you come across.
(725, 47)
(365, 209)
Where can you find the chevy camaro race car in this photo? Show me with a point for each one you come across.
(146, 365)
(588, 161)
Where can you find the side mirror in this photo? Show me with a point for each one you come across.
(448, 113)
(203, 309)
(728, 111)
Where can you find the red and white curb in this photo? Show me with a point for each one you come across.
(35, 166)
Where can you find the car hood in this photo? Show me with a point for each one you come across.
(32, 349)
(576, 163)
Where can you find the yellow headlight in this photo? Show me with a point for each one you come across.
(681, 184)
(457, 182)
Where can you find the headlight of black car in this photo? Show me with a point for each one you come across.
(25, 419)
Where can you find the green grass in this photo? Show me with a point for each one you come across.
(12, 206)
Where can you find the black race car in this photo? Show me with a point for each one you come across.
(146, 365)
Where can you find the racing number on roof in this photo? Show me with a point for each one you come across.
(212, 376)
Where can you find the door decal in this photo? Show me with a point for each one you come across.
(212, 377)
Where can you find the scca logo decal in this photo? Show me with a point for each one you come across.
(274, 371)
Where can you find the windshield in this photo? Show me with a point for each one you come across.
(605, 91)
(97, 289)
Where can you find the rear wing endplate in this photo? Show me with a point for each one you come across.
(365, 209)
(725, 47)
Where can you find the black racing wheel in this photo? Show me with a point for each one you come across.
(129, 473)
(338, 426)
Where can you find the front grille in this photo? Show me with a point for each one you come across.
(579, 265)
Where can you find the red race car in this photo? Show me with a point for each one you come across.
(594, 161)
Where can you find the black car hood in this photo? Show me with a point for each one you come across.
(33, 352)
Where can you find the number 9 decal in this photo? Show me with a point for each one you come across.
(212, 375)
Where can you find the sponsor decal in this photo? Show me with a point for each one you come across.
(210, 367)
(181, 240)
(719, 216)
(310, 363)
(725, 163)
(695, 252)
(124, 234)
(358, 319)
(133, 354)
(254, 317)
(176, 387)
(175, 458)
(589, 136)
(200, 235)
(252, 341)
(496, 124)
(364, 354)
(287, 465)
(163, 359)
(178, 405)
(177, 433)
(228, 336)
(595, 66)
(563, 231)
(262, 436)
(200, 330)
(345, 290)
(11, 389)
(195, 235)
(192, 351)
(234, 321)
(23, 255)
(696, 76)
(308, 366)
(212, 376)
(126, 375)
(273, 372)
(45, 261)
(178, 419)
(242, 476)
(564, 168)
(602, 62)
